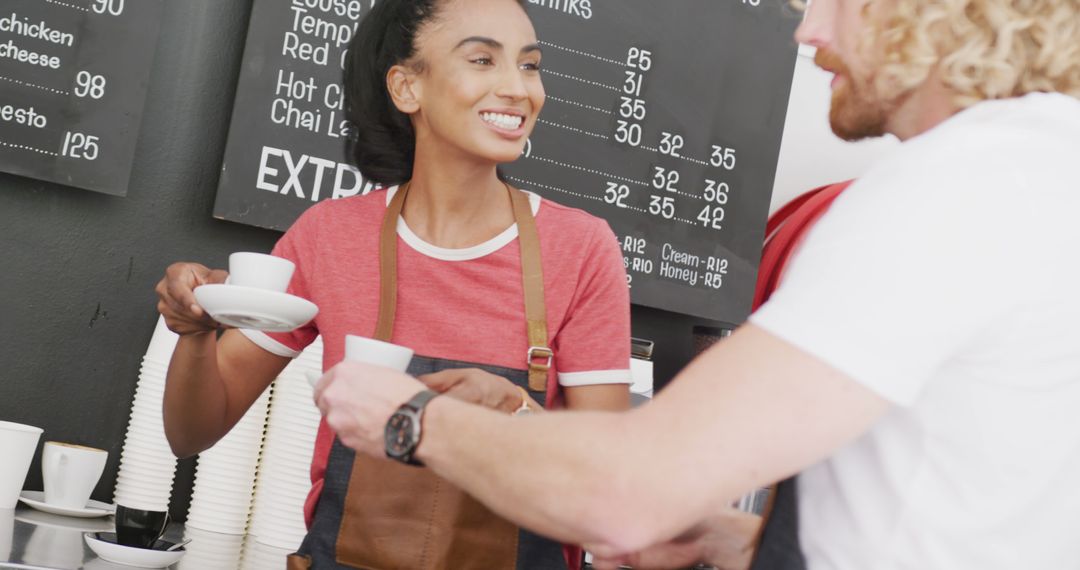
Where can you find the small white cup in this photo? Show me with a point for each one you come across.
(17, 445)
(260, 271)
(377, 352)
(70, 473)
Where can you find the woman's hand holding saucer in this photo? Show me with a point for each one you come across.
(176, 297)
(726, 540)
(475, 386)
(357, 399)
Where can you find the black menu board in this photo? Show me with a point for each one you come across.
(73, 77)
(664, 118)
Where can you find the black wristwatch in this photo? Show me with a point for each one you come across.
(403, 429)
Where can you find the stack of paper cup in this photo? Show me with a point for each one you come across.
(277, 517)
(147, 465)
(258, 556)
(225, 475)
(211, 550)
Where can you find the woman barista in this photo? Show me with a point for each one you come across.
(440, 92)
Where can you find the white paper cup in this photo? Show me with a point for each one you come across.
(162, 343)
(17, 445)
(377, 352)
(142, 502)
(260, 271)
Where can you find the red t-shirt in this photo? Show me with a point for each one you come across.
(459, 304)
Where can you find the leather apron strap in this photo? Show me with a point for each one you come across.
(392, 509)
(539, 355)
(384, 326)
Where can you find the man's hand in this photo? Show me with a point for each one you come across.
(475, 386)
(725, 541)
(357, 400)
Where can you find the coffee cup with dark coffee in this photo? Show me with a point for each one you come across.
(140, 528)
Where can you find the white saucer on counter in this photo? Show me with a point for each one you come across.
(59, 522)
(36, 500)
(104, 545)
(253, 308)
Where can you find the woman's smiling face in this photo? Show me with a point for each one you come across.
(475, 81)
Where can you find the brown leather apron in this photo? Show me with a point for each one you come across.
(378, 514)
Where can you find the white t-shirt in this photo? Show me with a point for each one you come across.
(947, 280)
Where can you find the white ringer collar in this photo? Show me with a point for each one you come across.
(463, 254)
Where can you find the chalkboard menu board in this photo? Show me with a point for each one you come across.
(664, 118)
(73, 77)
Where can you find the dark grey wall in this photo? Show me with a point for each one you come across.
(77, 305)
(77, 269)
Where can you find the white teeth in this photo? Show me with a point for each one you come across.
(508, 122)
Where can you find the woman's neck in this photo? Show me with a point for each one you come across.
(456, 204)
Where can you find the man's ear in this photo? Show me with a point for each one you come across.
(401, 84)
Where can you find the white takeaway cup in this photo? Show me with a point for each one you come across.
(377, 352)
(259, 270)
(70, 473)
(17, 445)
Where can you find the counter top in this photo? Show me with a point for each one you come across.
(33, 539)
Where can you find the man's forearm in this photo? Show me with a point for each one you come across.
(595, 489)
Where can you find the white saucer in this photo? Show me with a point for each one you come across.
(251, 308)
(36, 499)
(58, 522)
(104, 545)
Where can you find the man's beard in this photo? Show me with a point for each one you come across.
(857, 112)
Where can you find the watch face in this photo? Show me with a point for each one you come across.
(400, 434)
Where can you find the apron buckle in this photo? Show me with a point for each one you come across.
(539, 352)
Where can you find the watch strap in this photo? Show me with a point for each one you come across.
(420, 400)
(415, 406)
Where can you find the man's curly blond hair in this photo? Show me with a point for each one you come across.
(986, 49)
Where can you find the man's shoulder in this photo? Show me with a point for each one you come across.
(1003, 133)
(992, 145)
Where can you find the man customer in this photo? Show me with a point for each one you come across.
(918, 366)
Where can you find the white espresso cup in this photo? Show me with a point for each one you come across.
(70, 473)
(261, 271)
(377, 352)
(17, 445)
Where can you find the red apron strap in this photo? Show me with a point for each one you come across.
(784, 231)
(789, 225)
